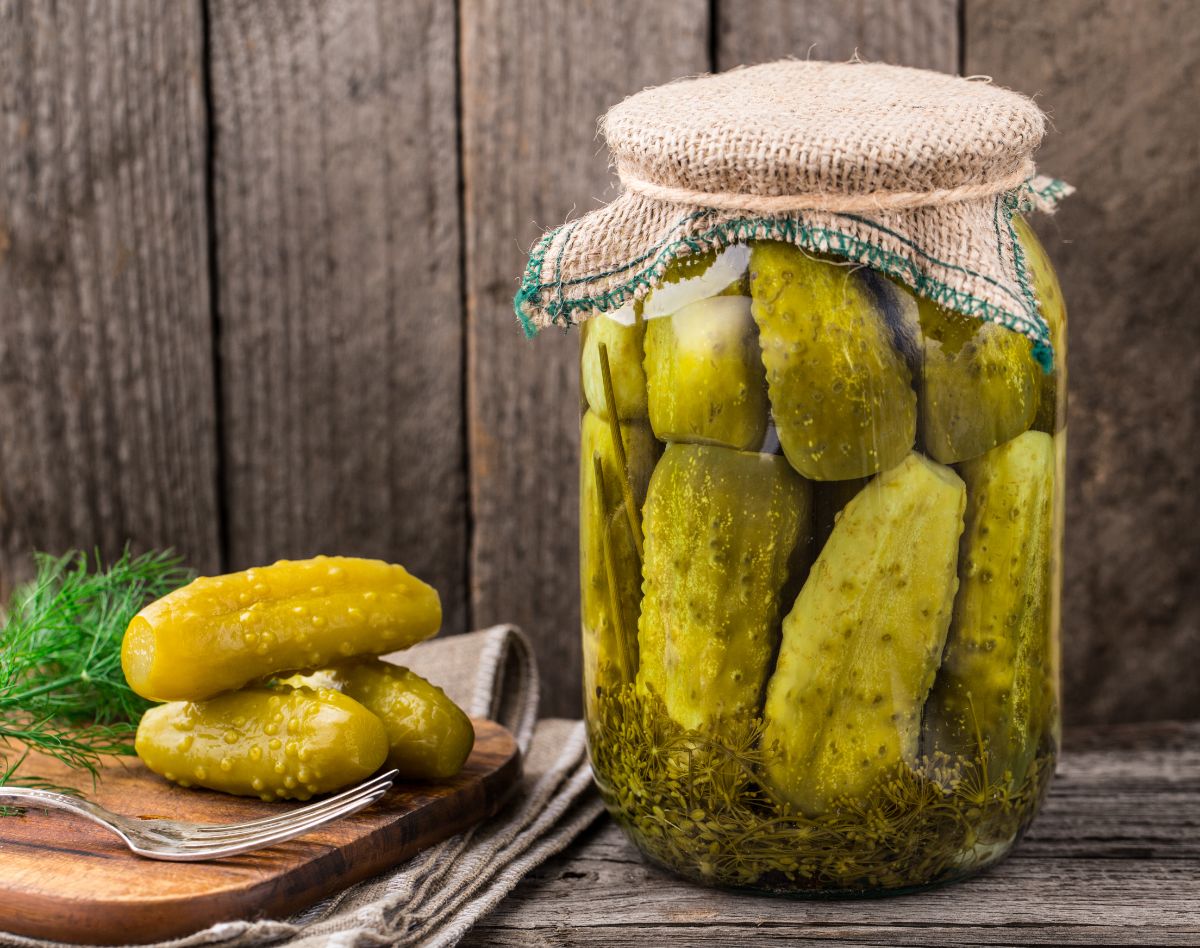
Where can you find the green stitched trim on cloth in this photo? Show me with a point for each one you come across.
(648, 267)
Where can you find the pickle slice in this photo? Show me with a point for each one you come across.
(704, 374)
(841, 392)
(608, 547)
(277, 744)
(220, 632)
(1052, 401)
(979, 387)
(996, 682)
(723, 529)
(862, 644)
(429, 736)
(624, 344)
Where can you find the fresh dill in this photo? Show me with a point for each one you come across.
(693, 803)
(62, 692)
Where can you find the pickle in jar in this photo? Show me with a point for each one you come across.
(1052, 400)
(429, 736)
(704, 373)
(994, 694)
(610, 531)
(979, 384)
(862, 644)
(724, 532)
(221, 632)
(272, 743)
(623, 345)
(839, 385)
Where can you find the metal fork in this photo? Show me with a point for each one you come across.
(180, 841)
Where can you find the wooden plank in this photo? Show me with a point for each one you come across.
(920, 33)
(67, 879)
(1113, 859)
(535, 76)
(1110, 73)
(107, 429)
(340, 303)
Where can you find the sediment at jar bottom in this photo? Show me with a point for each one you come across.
(1052, 400)
(623, 345)
(840, 389)
(429, 736)
(994, 689)
(705, 375)
(277, 744)
(723, 533)
(610, 564)
(862, 644)
(220, 632)
(693, 801)
(979, 384)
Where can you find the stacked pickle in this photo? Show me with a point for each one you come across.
(818, 560)
(224, 653)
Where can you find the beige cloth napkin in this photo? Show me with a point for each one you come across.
(435, 898)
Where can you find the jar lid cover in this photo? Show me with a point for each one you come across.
(913, 173)
(814, 131)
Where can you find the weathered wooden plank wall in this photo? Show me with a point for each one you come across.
(257, 261)
(338, 293)
(107, 417)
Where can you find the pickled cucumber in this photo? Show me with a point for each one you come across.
(863, 641)
(429, 736)
(841, 392)
(704, 375)
(979, 386)
(220, 632)
(995, 684)
(723, 529)
(1052, 402)
(610, 615)
(624, 345)
(277, 744)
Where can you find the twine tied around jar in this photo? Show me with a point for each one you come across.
(846, 203)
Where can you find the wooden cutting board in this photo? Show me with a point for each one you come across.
(65, 878)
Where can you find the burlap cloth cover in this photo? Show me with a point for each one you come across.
(914, 173)
(437, 896)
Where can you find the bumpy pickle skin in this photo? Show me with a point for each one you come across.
(841, 392)
(272, 743)
(862, 644)
(220, 632)
(429, 736)
(1052, 401)
(610, 615)
(996, 683)
(724, 532)
(704, 375)
(979, 384)
(624, 344)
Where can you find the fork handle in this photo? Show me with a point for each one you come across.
(31, 796)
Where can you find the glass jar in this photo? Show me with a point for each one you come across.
(820, 545)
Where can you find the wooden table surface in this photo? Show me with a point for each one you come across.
(1114, 858)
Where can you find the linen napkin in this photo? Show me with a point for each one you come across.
(435, 898)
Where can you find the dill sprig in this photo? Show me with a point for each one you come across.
(62, 691)
(694, 803)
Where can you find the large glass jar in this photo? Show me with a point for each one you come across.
(820, 544)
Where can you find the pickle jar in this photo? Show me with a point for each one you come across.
(821, 460)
